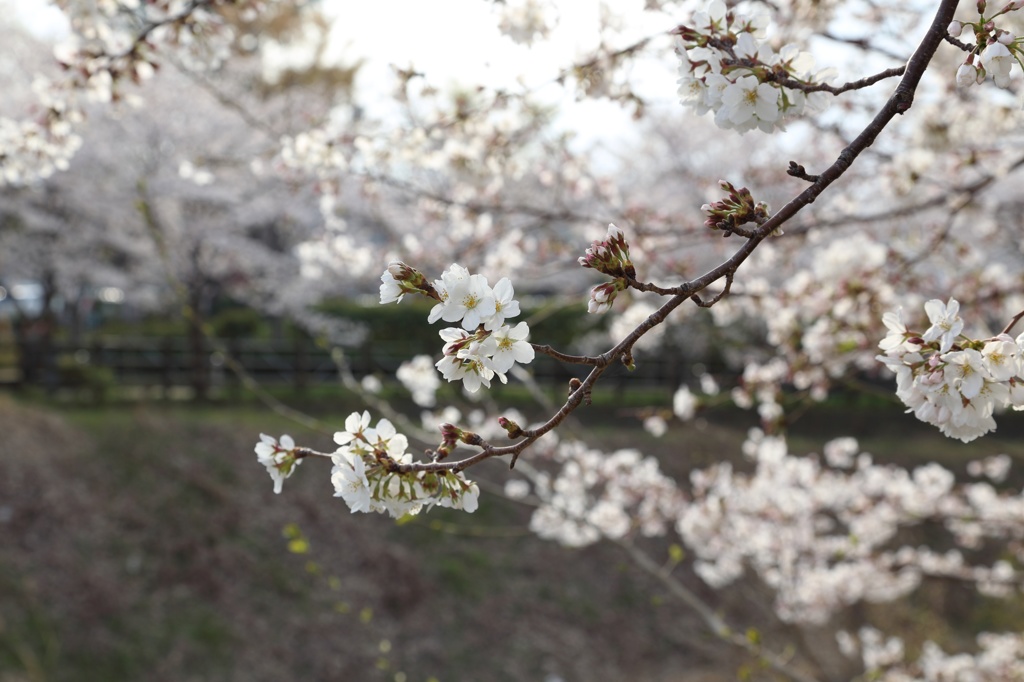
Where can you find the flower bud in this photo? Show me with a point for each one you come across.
(954, 29)
(966, 75)
(611, 256)
(511, 428)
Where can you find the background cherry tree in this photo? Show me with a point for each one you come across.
(834, 182)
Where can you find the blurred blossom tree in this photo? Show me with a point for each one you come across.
(906, 148)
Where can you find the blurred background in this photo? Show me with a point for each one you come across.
(204, 267)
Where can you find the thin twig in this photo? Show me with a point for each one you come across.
(1013, 322)
(564, 357)
(867, 81)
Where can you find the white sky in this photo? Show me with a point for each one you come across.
(462, 40)
(41, 18)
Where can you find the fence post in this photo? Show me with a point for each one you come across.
(234, 383)
(166, 365)
(301, 364)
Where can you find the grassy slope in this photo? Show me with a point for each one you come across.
(145, 543)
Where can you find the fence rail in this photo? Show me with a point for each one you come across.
(170, 362)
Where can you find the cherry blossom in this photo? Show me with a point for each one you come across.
(278, 457)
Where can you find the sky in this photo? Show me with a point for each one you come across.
(41, 18)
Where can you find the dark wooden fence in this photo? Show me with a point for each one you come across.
(171, 363)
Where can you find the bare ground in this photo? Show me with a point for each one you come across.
(146, 544)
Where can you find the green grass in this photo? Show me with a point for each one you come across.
(145, 541)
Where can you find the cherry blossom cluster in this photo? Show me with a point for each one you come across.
(113, 43)
(279, 457)
(115, 40)
(597, 495)
(999, 656)
(525, 20)
(420, 379)
(366, 474)
(948, 379)
(820, 530)
(821, 318)
(368, 470)
(736, 209)
(457, 161)
(727, 68)
(32, 150)
(609, 257)
(484, 346)
(995, 50)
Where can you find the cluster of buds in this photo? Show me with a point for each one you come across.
(737, 208)
(610, 257)
(995, 51)
(451, 436)
(603, 295)
(401, 279)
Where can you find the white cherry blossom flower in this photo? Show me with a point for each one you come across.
(946, 322)
(748, 98)
(451, 278)
(656, 425)
(896, 339)
(356, 426)
(966, 75)
(684, 403)
(1000, 358)
(277, 457)
(966, 371)
(470, 300)
(390, 290)
(505, 305)
(998, 61)
(507, 346)
(471, 370)
(420, 378)
(708, 385)
(349, 479)
(389, 440)
(693, 92)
